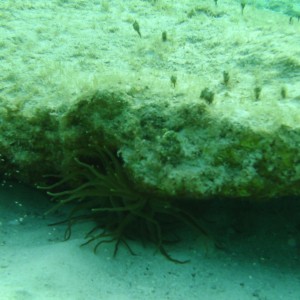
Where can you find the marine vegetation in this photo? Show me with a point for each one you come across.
(164, 36)
(121, 212)
(257, 91)
(243, 4)
(226, 78)
(173, 80)
(136, 27)
(207, 95)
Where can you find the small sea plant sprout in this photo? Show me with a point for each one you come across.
(105, 6)
(292, 17)
(283, 92)
(257, 92)
(164, 36)
(226, 78)
(173, 80)
(243, 4)
(136, 27)
(216, 2)
(191, 13)
(207, 95)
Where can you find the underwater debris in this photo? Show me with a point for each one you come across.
(104, 194)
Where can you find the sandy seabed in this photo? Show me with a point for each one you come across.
(260, 258)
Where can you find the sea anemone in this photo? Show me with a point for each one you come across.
(103, 193)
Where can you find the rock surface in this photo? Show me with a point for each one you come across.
(88, 80)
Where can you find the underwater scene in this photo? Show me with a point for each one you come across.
(149, 149)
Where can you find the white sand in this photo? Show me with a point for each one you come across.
(259, 262)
